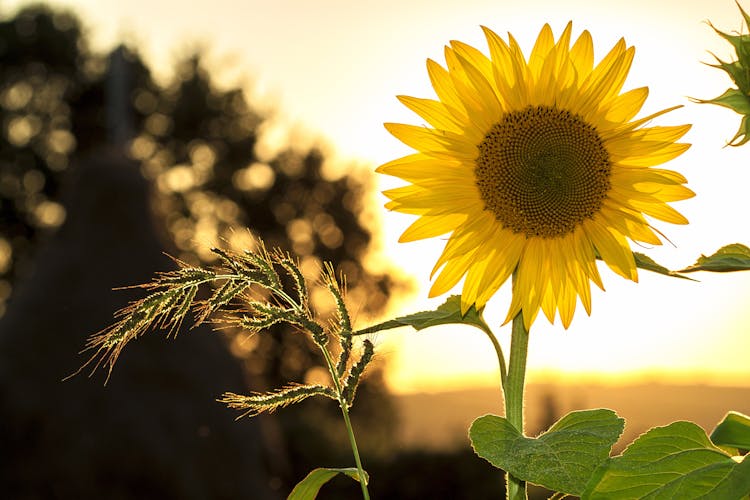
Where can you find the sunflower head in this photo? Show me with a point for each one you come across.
(536, 167)
(736, 99)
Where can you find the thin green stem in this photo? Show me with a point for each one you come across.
(513, 390)
(355, 451)
(350, 431)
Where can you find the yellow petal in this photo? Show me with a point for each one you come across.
(416, 168)
(466, 92)
(474, 57)
(438, 201)
(582, 54)
(660, 211)
(433, 112)
(431, 226)
(625, 106)
(510, 72)
(544, 43)
(434, 143)
(505, 261)
(613, 248)
(648, 156)
(466, 237)
(491, 110)
(446, 92)
(503, 249)
(604, 82)
(451, 274)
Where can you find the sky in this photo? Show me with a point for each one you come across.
(330, 71)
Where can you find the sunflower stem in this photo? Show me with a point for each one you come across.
(513, 391)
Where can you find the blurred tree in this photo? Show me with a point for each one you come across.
(154, 432)
(40, 54)
(196, 144)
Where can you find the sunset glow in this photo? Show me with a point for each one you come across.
(330, 71)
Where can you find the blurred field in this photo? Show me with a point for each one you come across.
(439, 421)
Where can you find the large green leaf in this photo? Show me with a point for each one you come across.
(447, 313)
(308, 488)
(734, 257)
(562, 459)
(671, 462)
(733, 431)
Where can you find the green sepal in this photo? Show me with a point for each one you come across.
(743, 134)
(738, 101)
(734, 257)
(561, 459)
(739, 71)
(741, 43)
(733, 99)
(447, 313)
(675, 461)
(308, 488)
(733, 431)
(745, 16)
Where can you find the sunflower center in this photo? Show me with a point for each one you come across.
(542, 171)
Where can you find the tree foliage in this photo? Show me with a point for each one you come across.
(196, 142)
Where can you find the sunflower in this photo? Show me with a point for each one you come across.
(536, 167)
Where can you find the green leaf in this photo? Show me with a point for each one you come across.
(309, 487)
(447, 313)
(645, 262)
(743, 134)
(734, 257)
(733, 431)
(675, 461)
(561, 459)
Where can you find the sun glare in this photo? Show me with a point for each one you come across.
(339, 77)
(660, 329)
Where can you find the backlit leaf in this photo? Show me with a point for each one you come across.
(308, 488)
(734, 257)
(447, 313)
(561, 459)
(733, 431)
(675, 461)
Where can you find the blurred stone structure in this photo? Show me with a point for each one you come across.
(83, 139)
(155, 431)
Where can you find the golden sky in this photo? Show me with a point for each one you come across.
(333, 67)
